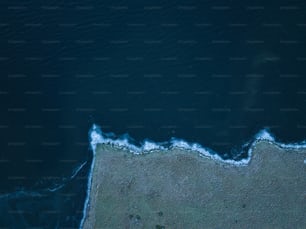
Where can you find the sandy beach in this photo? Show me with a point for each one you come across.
(181, 189)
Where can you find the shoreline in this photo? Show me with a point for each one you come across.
(103, 153)
(97, 136)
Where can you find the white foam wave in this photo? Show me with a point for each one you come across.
(206, 152)
(266, 136)
(94, 143)
(98, 137)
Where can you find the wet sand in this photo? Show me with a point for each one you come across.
(180, 189)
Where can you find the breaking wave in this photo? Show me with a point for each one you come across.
(97, 136)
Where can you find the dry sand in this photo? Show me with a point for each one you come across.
(180, 189)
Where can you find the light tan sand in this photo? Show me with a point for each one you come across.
(180, 189)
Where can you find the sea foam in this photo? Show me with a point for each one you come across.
(97, 136)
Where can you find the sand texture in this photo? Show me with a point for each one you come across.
(180, 189)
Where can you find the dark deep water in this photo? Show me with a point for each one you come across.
(204, 71)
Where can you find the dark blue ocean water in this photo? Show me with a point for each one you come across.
(209, 72)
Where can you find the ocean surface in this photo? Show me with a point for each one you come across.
(216, 74)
